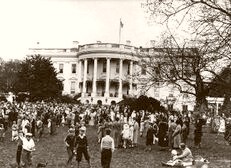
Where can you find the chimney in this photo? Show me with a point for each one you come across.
(128, 42)
(37, 44)
(152, 43)
(75, 44)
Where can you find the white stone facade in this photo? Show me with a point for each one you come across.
(106, 72)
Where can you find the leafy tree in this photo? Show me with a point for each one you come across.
(1, 75)
(142, 103)
(8, 75)
(38, 77)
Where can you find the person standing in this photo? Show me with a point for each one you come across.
(70, 143)
(187, 122)
(14, 131)
(81, 145)
(162, 133)
(198, 133)
(125, 135)
(24, 124)
(2, 133)
(149, 137)
(49, 126)
(19, 148)
(177, 135)
(221, 129)
(39, 125)
(184, 134)
(28, 146)
(107, 147)
(171, 129)
(136, 133)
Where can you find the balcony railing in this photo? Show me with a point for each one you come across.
(109, 46)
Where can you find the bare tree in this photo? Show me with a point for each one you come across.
(209, 20)
(189, 69)
(190, 66)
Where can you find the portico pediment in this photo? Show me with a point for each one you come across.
(73, 78)
(60, 78)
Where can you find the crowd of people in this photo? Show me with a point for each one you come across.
(27, 120)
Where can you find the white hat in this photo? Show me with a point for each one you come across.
(174, 152)
(71, 130)
(82, 129)
(28, 134)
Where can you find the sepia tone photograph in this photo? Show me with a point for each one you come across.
(115, 84)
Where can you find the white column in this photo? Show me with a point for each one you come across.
(107, 78)
(120, 79)
(84, 77)
(79, 75)
(131, 78)
(94, 78)
(217, 107)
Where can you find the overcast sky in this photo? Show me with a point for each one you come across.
(56, 23)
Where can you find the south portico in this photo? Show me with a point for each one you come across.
(105, 79)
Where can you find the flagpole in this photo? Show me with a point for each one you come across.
(120, 31)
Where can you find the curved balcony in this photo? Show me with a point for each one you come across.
(108, 48)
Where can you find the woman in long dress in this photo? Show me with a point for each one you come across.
(135, 133)
(221, 129)
(162, 133)
(177, 135)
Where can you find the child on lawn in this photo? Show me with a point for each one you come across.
(82, 148)
(14, 131)
(125, 135)
(2, 133)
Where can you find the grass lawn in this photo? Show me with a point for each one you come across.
(52, 150)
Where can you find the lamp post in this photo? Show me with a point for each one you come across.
(170, 101)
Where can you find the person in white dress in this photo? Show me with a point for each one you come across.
(92, 118)
(125, 135)
(221, 127)
(25, 122)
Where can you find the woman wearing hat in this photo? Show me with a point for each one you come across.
(186, 155)
(28, 146)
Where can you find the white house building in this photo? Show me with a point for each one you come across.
(106, 72)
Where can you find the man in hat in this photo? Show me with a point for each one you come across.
(70, 143)
(81, 145)
(28, 146)
(107, 147)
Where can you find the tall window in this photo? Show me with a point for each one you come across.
(128, 69)
(143, 71)
(117, 67)
(184, 108)
(73, 68)
(72, 87)
(104, 66)
(60, 68)
(88, 67)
